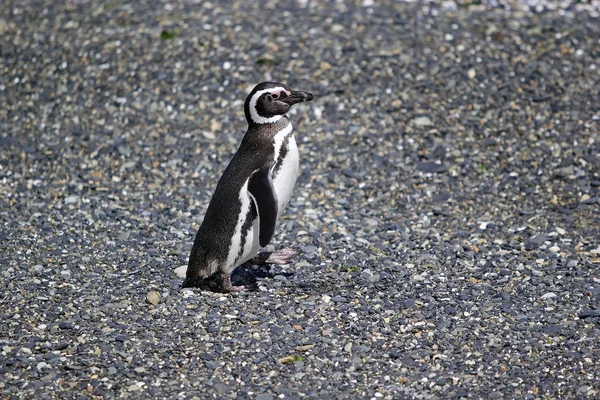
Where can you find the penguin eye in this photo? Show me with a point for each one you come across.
(275, 96)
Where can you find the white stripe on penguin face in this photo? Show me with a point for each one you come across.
(256, 118)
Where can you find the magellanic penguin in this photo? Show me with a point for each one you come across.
(252, 192)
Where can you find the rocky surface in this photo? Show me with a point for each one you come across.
(446, 218)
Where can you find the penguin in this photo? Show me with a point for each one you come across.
(251, 194)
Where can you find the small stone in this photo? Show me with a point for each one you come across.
(60, 346)
(153, 297)
(121, 338)
(65, 325)
(548, 295)
(264, 396)
(25, 351)
(74, 199)
(431, 167)
(318, 113)
(370, 276)
(588, 313)
(325, 299)
(471, 73)
(133, 388)
(305, 347)
(123, 236)
(421, 122)
(40, 366)
(324, 66)
(222, 388)
(538, 240)
(584, 198)
(215, 126)
(583, 389)
(209, 135)
(181, 271)
(71, 25)
(554, 249)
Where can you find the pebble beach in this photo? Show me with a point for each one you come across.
(446, 218)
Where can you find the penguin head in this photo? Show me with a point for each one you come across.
(268, 102)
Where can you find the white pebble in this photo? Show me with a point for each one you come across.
(181, 271)
(318, 112)
(43, 365)
(26, 351)
(187, 293)
(71, 199)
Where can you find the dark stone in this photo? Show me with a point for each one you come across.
(431, 167)
(65, 325)
(408, 303)
(588, 313)
(395, 353)
(443, 196)
(60, 346)
(536, 241)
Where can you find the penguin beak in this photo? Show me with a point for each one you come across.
(297, 96)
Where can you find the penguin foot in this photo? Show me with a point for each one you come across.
(227, 286)
(283, 256)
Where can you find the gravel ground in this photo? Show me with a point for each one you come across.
(446, 218)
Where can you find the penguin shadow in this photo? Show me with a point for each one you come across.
(248, 274)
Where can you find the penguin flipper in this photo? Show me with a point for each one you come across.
(261, 189)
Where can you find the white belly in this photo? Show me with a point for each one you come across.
(285, 178)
